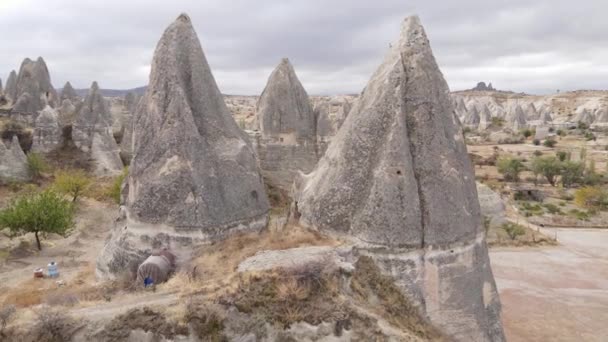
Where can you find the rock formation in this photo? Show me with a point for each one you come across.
(68, 93)
(33, 90)
(602, 117)
(472, 118)
(485, 118)
(461, 108)
(13, 162)
(92, 133)
(284, 109)
(481, 86)
(67, 113)
(1, 89)
(491, 204)
(10, 88)
(288, 131)
(584, 117)
(194, 175)
(47, 131)
(545, 116)
(532, 113)
(396, 182)
(516, 119)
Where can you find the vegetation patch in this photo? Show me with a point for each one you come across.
(146, 319)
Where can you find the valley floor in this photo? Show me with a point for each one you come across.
(555, 293)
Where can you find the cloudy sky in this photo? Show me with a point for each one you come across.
(533, 46)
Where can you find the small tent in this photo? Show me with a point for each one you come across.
(156, 269)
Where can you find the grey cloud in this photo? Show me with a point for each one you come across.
(335, 45)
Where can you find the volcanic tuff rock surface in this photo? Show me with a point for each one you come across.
(47, 132)
(33, 90)
(287, 142)
(11, 85)
(397, 181)
(13, 162)
(92, 133)
(68, 93)
(194, 175)
(284, 109)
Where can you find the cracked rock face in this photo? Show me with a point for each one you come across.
(33, 88)
(284, 108)
(194, 174)
(47, 131)
(396, 180)
(13, 162)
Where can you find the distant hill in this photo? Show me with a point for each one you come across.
(112, 92)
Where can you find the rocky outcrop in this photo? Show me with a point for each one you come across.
(396, 182)
(13, 162)
(485, 118)
(516, 119)
(472, 118)
(47, 131)
(602, 117)
(461, 108)
(284, 109)
(287, 142)
(585, 117)
(194, 176)
(67, 113)
(11, 85)
(33, 90)
(545, 116)
(68, 93)
(532, 113)
(481, 86)
(92, 133)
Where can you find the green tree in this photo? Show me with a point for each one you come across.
(72, 182)
(513, 230)
(510, 168)
(561, 155)
(549, 167)
(45, 212)
(572, 173)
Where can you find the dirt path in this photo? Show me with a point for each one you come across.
(555, 293)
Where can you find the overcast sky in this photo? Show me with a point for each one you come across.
(536, 46)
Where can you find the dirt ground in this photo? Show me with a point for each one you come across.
(555, 293)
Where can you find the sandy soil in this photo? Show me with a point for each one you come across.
(555, 293)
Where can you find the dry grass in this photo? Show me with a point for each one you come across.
(213, 271)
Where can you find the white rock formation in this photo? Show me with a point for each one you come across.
(13, 163)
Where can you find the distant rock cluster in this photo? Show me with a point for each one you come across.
(481, 86)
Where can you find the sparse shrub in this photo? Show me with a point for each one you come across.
(550, 143)
(513, 230)
(552, 208)
(72, 182)
(206, 320)
(536, 142)
(36, 164)
(61, 299)
(510, 168)
(580, 215)
(7, 314)
(551, 129)
(590, 136)
(45, 212)
(498, 122)
(581, 125)
(115, 188)
(53, 325)
(561, 155)
(487, 223)
(527, 133)
(594, 198)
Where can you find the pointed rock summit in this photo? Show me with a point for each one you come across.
(13, 162)
(472, 118)
(485, 118)
(397, 183)
(516, 119)
(284, 109)
(194, 175)
(92, 133)
(10, 88)
(33, 87)
(68, 93)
